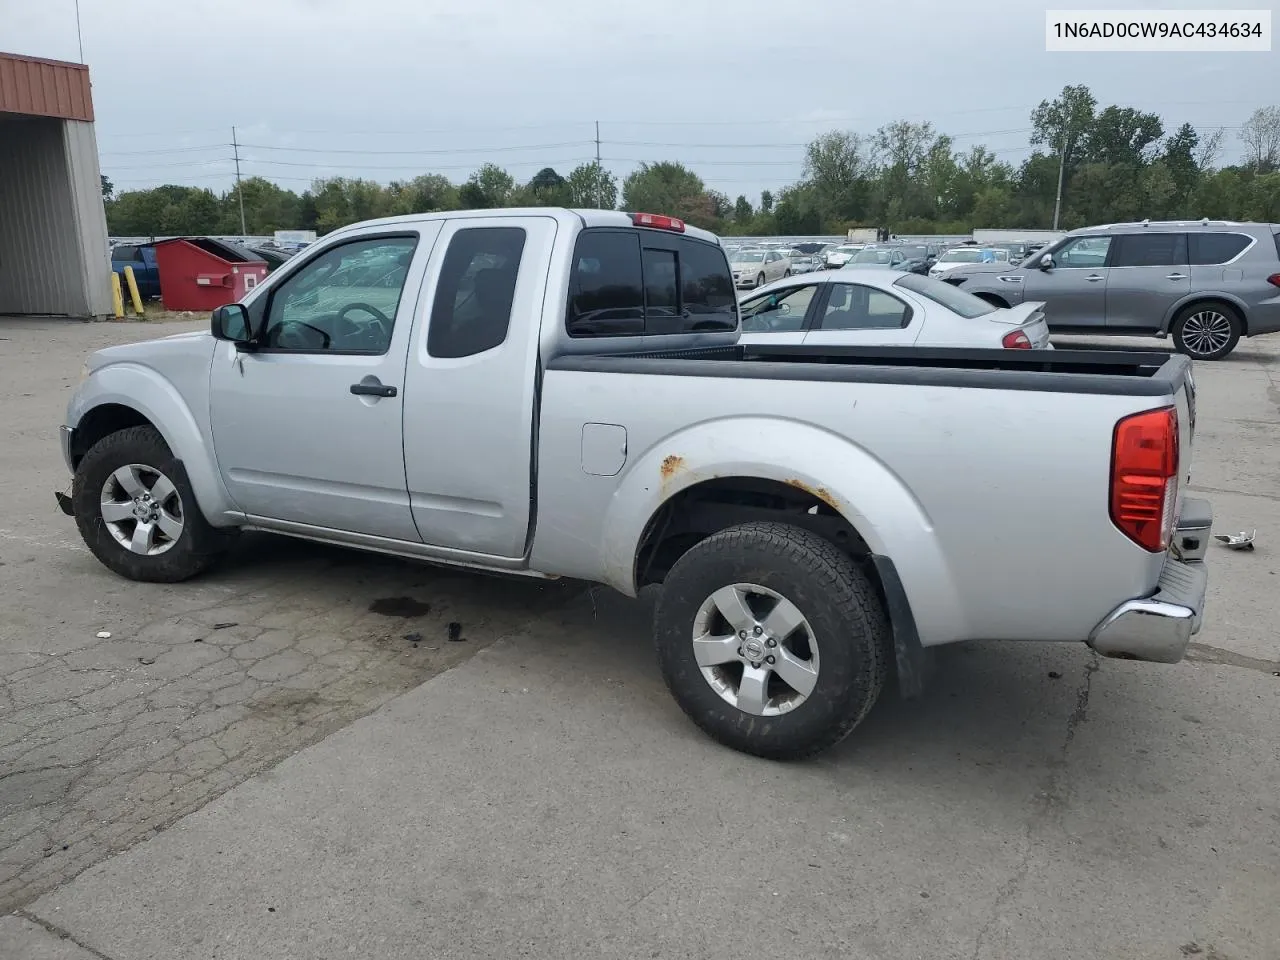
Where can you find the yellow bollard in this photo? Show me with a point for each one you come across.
(133, 290)
(116, 299)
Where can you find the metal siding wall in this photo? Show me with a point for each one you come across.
(45, 88)
(91, 217)
(41, 263)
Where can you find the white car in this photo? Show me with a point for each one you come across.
(884, 308)
(842, 254)
(755, 268)
(962, 256)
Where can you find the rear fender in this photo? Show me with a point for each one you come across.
(146, 391)
(875, 502)
(1202, 296)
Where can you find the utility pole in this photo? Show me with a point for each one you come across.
(79, 38)
(599, 172)
(1062, 169)
(238, 191)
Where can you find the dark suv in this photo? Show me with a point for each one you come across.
(1206, 282)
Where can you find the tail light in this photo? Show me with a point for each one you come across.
(1016, 340)
(1144, 477)
(657, 221)
(1274, 279)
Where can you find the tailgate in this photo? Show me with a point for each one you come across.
(1030, 317)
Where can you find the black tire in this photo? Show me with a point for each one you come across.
(195, 548)
(837, 599)
(786, 274)
(1188, 323)
(760, 280)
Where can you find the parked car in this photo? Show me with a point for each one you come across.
(805, 263)
(837, 257)
(960, 256)
(811, 514)
(142, 258)
(1205, 283)
(909, 258)
(885, 307)
(755, 268)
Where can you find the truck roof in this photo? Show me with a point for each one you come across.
(587, 218)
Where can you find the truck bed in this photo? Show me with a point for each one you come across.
(1108, 372)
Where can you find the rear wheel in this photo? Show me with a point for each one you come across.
(772, 640)
(137, 513)
(760, 280)
(1207, 331)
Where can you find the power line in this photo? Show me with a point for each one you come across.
(317, 165)
(451, 150)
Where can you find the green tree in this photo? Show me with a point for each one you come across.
(837, 168)
(591, 186)
(1063, 124)
(669, 188)
(546, 189)
(487, 188)
(1180, 160)
(766, 200)
(1260, 135)
(108, 188)
(1122, 135)
(742, 211)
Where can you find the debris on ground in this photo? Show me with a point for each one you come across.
(104, 634)
(455, 632)
(224, 626)
(1236, 541)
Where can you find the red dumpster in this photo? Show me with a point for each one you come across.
(201, 273)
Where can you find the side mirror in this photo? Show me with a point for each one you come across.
(1045, 262)
(231, 322)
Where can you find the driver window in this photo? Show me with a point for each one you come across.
(1083, 252)
(344, 301)
(782, 311)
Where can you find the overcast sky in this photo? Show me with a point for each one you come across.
(733, 88)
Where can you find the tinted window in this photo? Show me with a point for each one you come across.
(606, 291)
(1150, 250)
(345, 300)
(125, 253)
(1219, 247)
(781, 311)
(661, 287)
(958, 301)
(707, 294)
(472, 308)
(852, 306)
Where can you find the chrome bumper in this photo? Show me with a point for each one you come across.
(1160, 627)
(64, 437)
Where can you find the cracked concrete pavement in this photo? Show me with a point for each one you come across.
(546, 798)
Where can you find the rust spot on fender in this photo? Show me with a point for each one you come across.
(671, 465)
(822, 493)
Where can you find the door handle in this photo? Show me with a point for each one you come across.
(373, 389)
(1095, 278)
(1176, 276)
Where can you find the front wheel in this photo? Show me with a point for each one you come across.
(1207, 331)
(772, 640)
(136, 511)
(760, 280)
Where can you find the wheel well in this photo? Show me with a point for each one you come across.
(992, 299)
(706, 508)
(1217, 302)
(102, 422)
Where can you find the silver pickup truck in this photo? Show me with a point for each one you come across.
(561, 394)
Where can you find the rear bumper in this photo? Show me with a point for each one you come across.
(1159, 628)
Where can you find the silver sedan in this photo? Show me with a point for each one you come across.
(885, 308)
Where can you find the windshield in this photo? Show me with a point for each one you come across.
(958, 301)
(748, 256)
(914, 253)
(967, 255)
(853, 249)
(872, 256)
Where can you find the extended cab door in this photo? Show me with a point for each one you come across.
(471, 384)
(307, 428)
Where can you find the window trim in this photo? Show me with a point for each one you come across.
(908, 318)
(1232, 233)
(1117, 241)
(274, 287)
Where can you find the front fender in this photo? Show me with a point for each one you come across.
(849, 478)
(156, 398)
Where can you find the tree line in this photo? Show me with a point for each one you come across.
(1089, 165)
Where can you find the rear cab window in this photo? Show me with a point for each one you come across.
(632, 282)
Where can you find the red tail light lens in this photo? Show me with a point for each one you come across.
(657, 221)
(1144, 477)
(1274, 279)
(1017, 340)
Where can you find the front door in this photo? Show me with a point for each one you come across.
(472, 381)
(855, 314)
(1075, 287)
(308, 428)
(1149, 273)
(778, 317)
